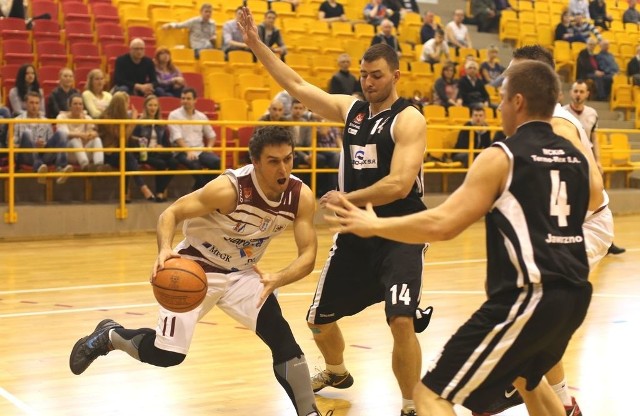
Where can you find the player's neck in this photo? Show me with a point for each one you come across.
(383, 105)
(576, 107)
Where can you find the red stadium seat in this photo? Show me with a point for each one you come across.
(12, 28)
(86, 54)
(196, 81)
(16, 52)
(75, 11)
(79, 32)
(208, 107)
(39, 7)
(46, 30)
(143, 32)
(51, 53)
(104, 12)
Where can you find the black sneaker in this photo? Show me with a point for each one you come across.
(422, 318)
(614, 249)
(411, 412)
(88, 348)
(326, 378)
(510, 398)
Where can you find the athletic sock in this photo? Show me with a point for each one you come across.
(128, 340)
(293, 375)
(562, 392)
(337, 369)
(408, 405)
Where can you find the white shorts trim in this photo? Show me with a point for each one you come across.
(598, 235)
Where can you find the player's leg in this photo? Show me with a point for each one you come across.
(428, 403)
(406, 359)
(289, 363)
(541, 401)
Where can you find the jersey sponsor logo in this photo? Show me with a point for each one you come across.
(246, 252)
(554, 156)
(364, 157)
(278, 227)
(214, 250)
(561, 239)
(241, 242)
(358, 118)
(265, 223)
(352, 131)
(354, 125)
(246, 194)
(239, 227)
(327, 315)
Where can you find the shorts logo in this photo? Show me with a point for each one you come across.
(364, 157)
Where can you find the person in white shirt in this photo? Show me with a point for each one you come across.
(435, 49)
(457, 32)
(201, 135)
(80, 136)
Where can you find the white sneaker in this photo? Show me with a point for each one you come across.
(43, 169)
(63, 179)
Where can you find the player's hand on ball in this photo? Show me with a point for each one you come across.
(163, 256)
(351, 219)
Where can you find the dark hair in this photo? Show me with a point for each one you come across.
(538, 83)
(191, 90)
(32, 94)
(382, 51)
(269, 136)
(72, 96)
(268, 12)
(477, 107)
(21, 84)
(535, 53)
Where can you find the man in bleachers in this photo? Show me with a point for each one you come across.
(471, 87)
(457, 33)
(434, 50)
(429, 27)
(485, 14)
(270, 35)
(633, 67)
(343, 81)
(135, 73)
(59, 98)
(202, 29)
(386, 36)
(331, 11)
(631, 15)
(587, 67)
(481, 138)
(608, 65)
(598, 12)
(577, 7)
(183, 135)
(585, 28)
(232, 36)
(276, 112)
(39, 136)
(375, 11)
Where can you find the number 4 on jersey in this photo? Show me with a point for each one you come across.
(559, 207)
(403, 296)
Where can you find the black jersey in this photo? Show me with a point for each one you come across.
(368, 146)
(534, 230)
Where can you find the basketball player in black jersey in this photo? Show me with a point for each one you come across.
(531, 188)
(383, 146)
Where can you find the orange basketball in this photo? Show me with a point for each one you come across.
(180, 286)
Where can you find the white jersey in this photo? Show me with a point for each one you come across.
(237, 241)
(598, 225)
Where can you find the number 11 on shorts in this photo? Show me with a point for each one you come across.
(403, 296)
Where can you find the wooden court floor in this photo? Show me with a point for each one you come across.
(53, 292)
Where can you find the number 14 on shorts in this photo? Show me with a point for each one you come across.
(403, 296)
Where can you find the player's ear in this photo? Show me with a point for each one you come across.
(396, 75)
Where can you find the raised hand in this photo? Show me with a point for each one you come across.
(351, 219)
(248, 27)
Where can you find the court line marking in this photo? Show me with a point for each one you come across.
(16, 402)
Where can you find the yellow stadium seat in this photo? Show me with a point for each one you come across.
(251, 87)
(184, 59)
(622, 98)
(234, 109)
(220, 86)
(435, 114)
(458, 115)
(342, 30)
(212, 60)
(259, 107)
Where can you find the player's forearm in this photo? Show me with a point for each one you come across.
(416, 228)
(299, 268)
(283, 74)
(383, 192)
(166, 229)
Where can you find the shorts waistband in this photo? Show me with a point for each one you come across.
(206, 266)
(600, 209)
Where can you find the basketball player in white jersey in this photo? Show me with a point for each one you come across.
(228, 225)
(536, 257)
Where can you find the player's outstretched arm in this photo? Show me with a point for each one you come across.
(307, 243)
(332, 107)
(217, 195)
(470, 202)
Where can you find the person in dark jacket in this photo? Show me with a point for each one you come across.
(59, 98)
(135, 73)
(481, 138)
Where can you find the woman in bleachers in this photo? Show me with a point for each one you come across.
(566, 31)
(154, 136)
(169, 77)
(118, 109)
(26, 81)
(80, 136)
(95, 98)
(490, 70)
(445, 89)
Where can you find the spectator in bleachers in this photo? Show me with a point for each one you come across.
(26, 82)
(331, 11)
(135, 73)
(343, 81)
(301, 138)
(435, 50)
(232, 36)
(457, 33)
(287, 101)
(202, 30)
(587, 67)
(491, 68)
(39, 136)
(156, 136)
(429, 27)
(502, 5)
(410, 6)
(481, 138)
(59, 97)
(577, 7)
(394, 11)
(328, 137)
(471, 87)
(633, 67)
(585, 28)
(375, 11)
(193, 136)
(598, 12)
(607, 64)
(566, 31)
(270, 35)
(386, 36)
(276, 112)
(445, 89)
(485, 15)
(4, 113)
(469, 57)
(631, 15)
(170, 79)
(118, 109)
(80, 136)
(95, 98)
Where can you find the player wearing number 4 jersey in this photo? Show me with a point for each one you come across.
(227, 226)
(532, 189)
